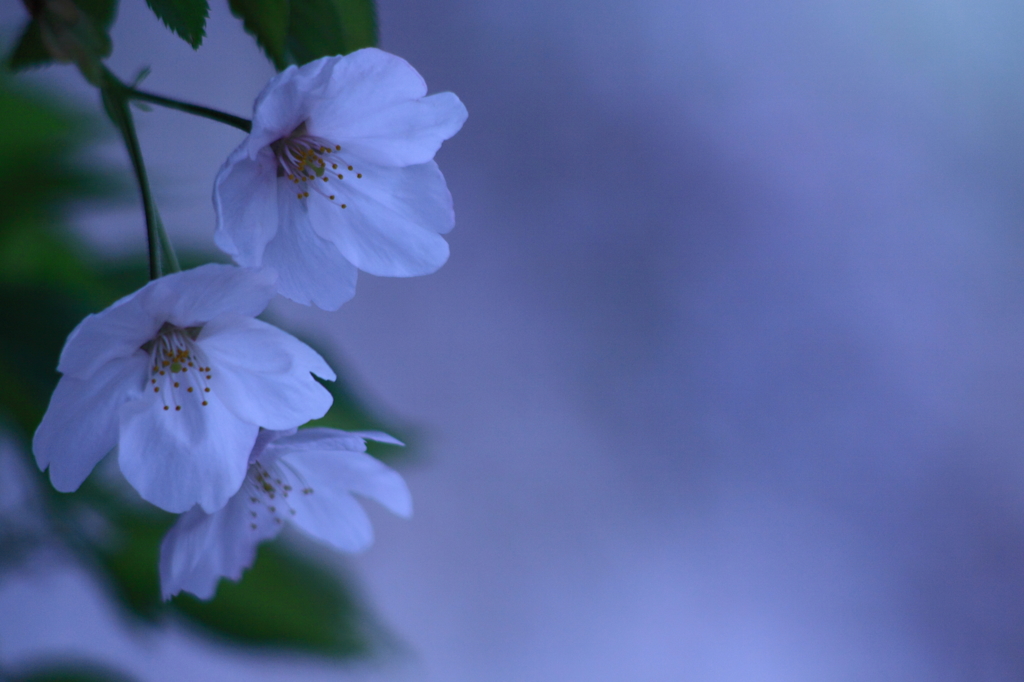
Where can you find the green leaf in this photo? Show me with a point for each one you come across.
(285, 600)
(267, 21)
(45, 289)
(102, 12)
(36, 323)
(132, 557)
(349, 412)
(30, 50)
(319, 28)
(187, 18)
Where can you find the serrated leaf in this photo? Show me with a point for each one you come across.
(30, 50)
(267, 21)
(187, 18)
(319, 28)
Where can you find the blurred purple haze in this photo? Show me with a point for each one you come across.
(723, 379)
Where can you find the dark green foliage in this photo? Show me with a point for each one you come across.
(284, 601)
(30, 50)
(348, 413)
(102, 12)
(299, 31)
(44, 287)
(187, 18)
(267, 21)
(318, 28)
(130, 557)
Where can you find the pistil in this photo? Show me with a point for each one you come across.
(311, 164)
(178, 373)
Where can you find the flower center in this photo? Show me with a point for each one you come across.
(268, 493)
(314, 164)
(178, 371)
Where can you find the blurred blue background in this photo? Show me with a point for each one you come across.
(723, 380)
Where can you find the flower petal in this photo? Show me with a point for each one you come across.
(391, 221)
(315, 439)
(263, 374)
(116, 332)
(178, 458)
(404, 134)
(194, 297)
(323, 481)
(378, 436)
(80, 424)
(375, 107)
(311, 269)
(285, 102)
(265, 437)
(335, 517)
(202, 548)
(245, 199)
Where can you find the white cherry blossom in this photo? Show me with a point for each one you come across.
(306, 479)
(338, 174)
(180, 377)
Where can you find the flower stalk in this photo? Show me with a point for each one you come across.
(115, 101)
(194, 109)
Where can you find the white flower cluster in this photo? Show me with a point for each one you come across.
(200, 399)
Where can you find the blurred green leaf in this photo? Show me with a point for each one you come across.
(187, 18)
(348, 413)
(267, 21)
(319, 28)
(131, 558)
(45, 288)
(102, 12)
(29, 121)
(72, 671)
(30, 50)
(284, 600)
(36, 323)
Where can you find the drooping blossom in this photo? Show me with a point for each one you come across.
(307, 479)
(180, 377)
(338, 174)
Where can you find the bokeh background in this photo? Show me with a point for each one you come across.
(723, 380)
